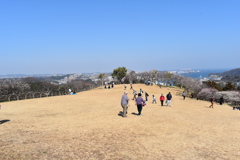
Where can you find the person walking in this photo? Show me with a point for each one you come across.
(139, 103)
(221, 100)
(169, 98)
(162, 99)
(131, 86)
(192, 95)
(146, 96)
(134, 95)
(154, 99)
(212, 102)
(124, 103)
(184, 95)
(125, 86)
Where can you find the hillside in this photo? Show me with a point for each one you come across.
(233, 72)
(87, 126)
(231, 76)
(228, 76)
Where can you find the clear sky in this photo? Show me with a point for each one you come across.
(78, 36)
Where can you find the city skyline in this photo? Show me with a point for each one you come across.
(47, 37)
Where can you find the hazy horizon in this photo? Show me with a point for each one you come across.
(215, 70)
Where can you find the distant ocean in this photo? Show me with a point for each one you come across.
(203, 72)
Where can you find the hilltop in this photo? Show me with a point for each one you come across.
(87, 126)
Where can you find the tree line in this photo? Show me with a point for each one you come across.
(194, 88)
(30, 87)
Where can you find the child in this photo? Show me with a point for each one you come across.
(154, 99)
(146, 96)
(134, 95)
(131, 86)
(212, 102)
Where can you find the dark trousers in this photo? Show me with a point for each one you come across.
(139, 107)
(162, 102)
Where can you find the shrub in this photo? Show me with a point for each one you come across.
(228, 96)
(206, 93)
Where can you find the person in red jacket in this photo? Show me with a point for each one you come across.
(162, 98)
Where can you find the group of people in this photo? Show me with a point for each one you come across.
(141, 91)
(140, 102)
(131, 86)
(168, 99)
(72, 92)
(162, 99)
(109, 86)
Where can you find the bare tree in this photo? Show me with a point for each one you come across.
(102, 77)
(15, 88)
(162, 76)
(153, 75)
(144, 76)
(178, 80)
(131, 77)
(206, 93)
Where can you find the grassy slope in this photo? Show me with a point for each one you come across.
(87, 126)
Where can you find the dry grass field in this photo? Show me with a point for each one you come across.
(87, 126)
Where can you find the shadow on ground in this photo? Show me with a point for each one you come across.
(134, 113)
(120, 113)
(4, 121)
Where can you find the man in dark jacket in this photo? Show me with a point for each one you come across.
(169, 97)
(221, 100)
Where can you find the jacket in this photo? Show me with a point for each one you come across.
(124, 100)
(162, 98)
(169, 96)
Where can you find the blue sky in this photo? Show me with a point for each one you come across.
(77, 36)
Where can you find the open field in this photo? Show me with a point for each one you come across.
(87, 126)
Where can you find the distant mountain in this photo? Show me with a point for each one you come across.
(233, 72)
(28, 75)
(229, 76)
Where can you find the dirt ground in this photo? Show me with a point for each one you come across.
(87, 126)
